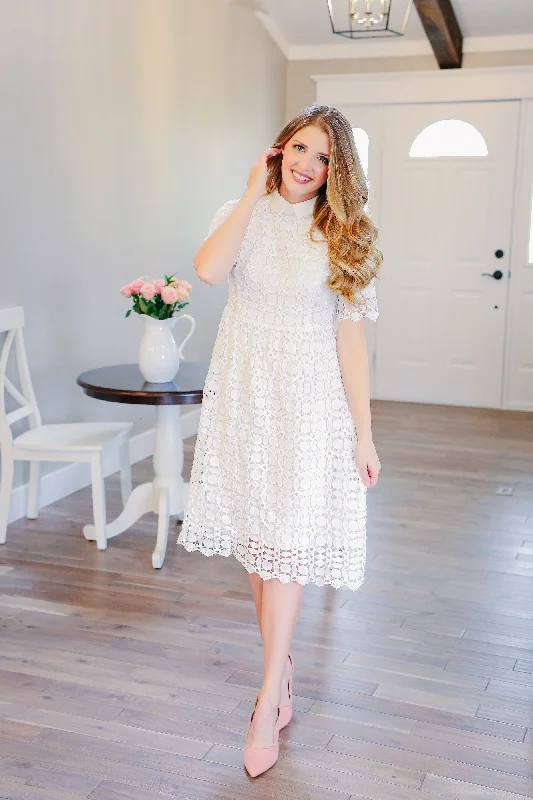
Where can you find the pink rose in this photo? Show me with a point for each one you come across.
(148, 290)
(159, 283)
(137, 285)
(182, 293)
(169, 295)
(185, 284)
(126, 291)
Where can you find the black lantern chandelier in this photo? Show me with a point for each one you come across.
(363, 19)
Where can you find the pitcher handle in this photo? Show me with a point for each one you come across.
(191, 331)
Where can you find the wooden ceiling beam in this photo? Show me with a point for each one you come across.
(443, 31)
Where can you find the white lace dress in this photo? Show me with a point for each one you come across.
(274, 481)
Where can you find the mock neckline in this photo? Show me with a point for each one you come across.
(302, 209)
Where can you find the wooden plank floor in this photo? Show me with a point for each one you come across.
(120, 682)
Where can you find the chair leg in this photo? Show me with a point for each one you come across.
(125, 470)
(99, 509)
(34, 490)
(6, 484)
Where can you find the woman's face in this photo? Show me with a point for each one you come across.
(304, 167)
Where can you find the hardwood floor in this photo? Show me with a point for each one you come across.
(120, 682)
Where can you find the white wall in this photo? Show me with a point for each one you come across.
(125, 125)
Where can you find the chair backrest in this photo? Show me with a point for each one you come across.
(11, 323)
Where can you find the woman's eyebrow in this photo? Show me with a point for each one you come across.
(304, 145)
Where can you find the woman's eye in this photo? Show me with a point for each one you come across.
(324, 159)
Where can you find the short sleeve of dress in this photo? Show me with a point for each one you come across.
(368, 309)
(221, 215)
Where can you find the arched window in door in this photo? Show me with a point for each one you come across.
(362, 144)
(452, 138)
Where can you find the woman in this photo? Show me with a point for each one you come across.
(284, 451)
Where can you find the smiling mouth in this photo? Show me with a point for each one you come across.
(299, 177)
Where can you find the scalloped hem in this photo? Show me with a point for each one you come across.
(190, 548)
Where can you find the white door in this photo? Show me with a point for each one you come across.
(446, 208)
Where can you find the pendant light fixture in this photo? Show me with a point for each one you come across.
(364, 19)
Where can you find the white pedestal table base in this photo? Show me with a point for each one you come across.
(166, 494)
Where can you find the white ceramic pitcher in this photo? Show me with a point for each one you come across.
(159, 355)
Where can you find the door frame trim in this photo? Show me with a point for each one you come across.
(521, 281)
(425, 86)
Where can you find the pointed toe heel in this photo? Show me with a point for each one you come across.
(285, 712)
(258, 759)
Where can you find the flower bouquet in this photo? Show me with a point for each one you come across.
(157, 301)
(157, 298)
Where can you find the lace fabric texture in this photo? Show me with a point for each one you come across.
(274, 481)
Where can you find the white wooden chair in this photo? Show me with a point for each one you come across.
(89, 442)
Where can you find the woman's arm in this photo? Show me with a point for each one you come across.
(353, 360)
(215, 258)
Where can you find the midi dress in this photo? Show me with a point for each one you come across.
(274, 481)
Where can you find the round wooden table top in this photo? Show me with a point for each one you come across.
(123, 383)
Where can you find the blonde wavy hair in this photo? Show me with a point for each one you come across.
(339, 209)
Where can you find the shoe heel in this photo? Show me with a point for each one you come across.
(286, 711)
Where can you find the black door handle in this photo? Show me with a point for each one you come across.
(497, 274)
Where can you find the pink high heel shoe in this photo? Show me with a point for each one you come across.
(285, 712)
(259, 759)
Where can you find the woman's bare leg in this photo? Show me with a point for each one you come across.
(257, 590)
(280, 608)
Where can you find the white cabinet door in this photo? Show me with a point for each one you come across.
(444, 222)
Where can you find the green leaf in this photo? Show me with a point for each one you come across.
(143, 305)
(128, 313)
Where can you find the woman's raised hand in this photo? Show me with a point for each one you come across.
(256, 186)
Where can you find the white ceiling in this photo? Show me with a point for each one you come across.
(299, 25)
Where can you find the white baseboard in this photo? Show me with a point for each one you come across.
(71, 478)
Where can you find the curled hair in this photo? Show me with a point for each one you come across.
(339, 209)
